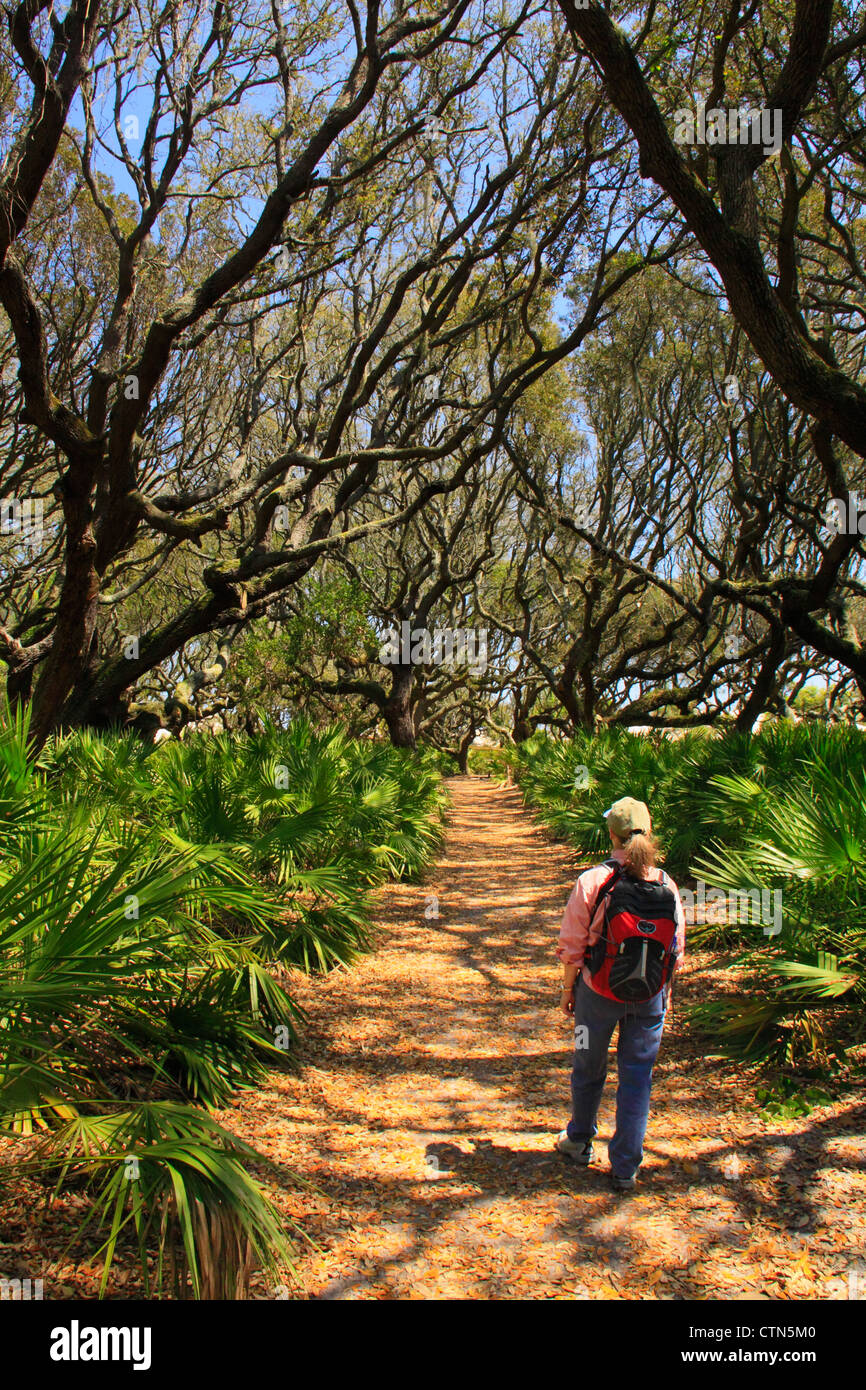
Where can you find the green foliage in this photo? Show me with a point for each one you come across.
(572, 783)
(788, 1099)
(444, 762)
(150, 901)
(491, 762)
(805, 838)
(330, 621)
(190, 1197)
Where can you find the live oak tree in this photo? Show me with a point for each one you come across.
(276, 285)
(645, 589)
(421, 657)
(316, 212)
(784, 236)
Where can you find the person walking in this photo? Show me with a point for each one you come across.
(621, 939)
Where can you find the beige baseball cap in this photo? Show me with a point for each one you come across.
(628, 816)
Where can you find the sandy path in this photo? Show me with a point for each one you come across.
(436, 1078)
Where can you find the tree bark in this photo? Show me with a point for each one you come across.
(813, 384)
(398, 710)
(764, 683)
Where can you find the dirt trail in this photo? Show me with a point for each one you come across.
(436, 1078)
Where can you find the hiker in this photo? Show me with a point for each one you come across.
(624, 923)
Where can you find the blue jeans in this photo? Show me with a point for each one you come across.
(640, 1033)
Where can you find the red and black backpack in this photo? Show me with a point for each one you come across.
(636, 952)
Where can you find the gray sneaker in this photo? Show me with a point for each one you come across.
(578, 1150)
(622, 1184)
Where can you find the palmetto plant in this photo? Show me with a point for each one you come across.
(573, 783)
(107, 1018)
(808, 983)
(149, 901)
(189, 1197)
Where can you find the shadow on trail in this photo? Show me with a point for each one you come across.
(442, 1074)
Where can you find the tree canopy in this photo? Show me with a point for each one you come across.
(325, 321)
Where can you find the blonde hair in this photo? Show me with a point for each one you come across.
(641, 853)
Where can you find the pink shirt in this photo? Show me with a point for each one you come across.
(577, 932)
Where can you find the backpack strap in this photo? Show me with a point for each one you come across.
(608, 885)
(617, 872)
